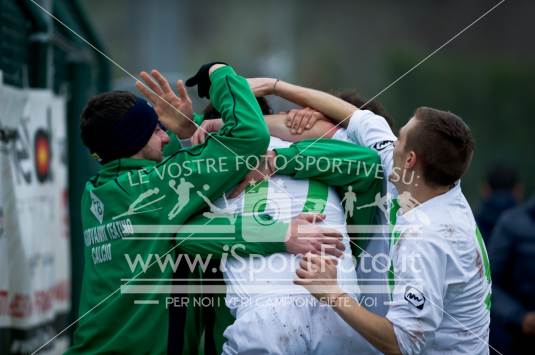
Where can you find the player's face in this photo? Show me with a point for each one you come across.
(153, 150)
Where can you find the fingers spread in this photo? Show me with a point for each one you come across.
(182, 90)
(149, 95)
(150, 83)
(164, 84)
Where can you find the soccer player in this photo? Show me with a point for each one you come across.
(441, 303)
(135, 188)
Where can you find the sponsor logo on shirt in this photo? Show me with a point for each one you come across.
(414, 297)
(97, 207)
(382, 145)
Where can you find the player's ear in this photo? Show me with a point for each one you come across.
(410, 160)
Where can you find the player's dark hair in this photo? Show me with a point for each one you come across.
(374, 106)
(443, 143)
(210, 112)
(101, 114)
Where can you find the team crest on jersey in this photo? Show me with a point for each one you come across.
(382, 145)
(97, 207)
(414, 297)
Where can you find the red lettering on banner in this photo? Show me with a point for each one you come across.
(21, 306)
(61, 291)
(43, 301)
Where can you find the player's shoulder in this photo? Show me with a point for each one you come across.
(449, 208)
(438, 224)
(369, 129)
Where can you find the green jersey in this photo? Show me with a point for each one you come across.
(131, 212)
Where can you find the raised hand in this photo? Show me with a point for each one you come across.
(174, 112)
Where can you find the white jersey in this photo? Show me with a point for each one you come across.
(372, 131)
(441, 298)
(273, 315)
(441, 293)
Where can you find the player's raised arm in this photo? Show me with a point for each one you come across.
(364, 127)
(329, 105)
(218, 163)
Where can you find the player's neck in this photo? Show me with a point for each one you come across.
(419, 194)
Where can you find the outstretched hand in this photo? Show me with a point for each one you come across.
(174, 112)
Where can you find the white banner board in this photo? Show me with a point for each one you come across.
(34, 235)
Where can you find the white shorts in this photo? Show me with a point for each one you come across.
(292, 325)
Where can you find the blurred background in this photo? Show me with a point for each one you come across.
(486, 75)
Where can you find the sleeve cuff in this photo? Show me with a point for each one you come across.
(184, 143)
(222, 72)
